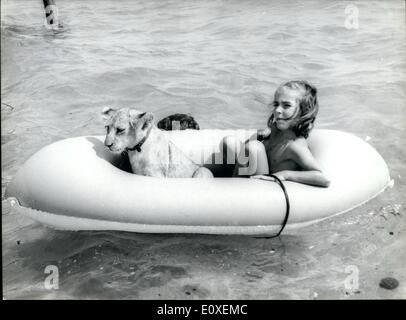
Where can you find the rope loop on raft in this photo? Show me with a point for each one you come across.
(285, 221)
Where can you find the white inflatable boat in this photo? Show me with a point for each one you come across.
(75, 184)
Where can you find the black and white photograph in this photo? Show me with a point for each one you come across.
(232, 150)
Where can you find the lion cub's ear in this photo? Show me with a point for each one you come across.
(148, 120)
(107, 112)
(144, 118)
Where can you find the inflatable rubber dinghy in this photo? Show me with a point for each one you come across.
(75, 184)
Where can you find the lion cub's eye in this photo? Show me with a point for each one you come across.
(107, 128)
(119, 131)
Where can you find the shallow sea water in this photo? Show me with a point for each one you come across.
(220, 61)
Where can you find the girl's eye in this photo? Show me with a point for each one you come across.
(286, 105)
(275, 104)
(107, 128)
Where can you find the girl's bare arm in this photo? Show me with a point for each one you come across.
(311, 172)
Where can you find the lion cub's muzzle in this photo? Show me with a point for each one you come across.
(111, 145)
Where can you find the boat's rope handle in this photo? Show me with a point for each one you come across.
(285, 221)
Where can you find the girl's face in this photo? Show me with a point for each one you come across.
(286, 107)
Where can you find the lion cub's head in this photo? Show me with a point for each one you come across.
(126, 128)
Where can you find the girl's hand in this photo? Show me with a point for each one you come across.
(280, 175)
(263, 134)
(262, 177)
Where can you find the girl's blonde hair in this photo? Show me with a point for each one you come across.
(308, 104)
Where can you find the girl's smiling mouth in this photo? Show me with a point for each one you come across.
(285, 119)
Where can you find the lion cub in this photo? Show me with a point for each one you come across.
(149, 150)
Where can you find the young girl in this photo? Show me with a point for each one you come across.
(283, 150)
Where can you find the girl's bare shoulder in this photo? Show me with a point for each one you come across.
(298, 145)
